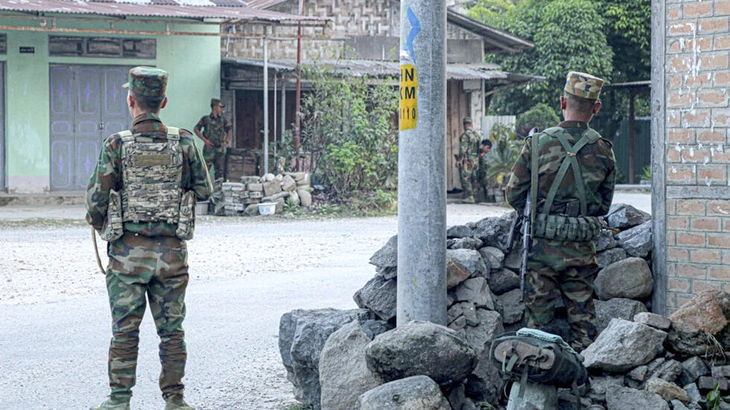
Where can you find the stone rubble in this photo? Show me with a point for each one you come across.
(640, 360)
(243, 198)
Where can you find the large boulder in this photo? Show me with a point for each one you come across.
(616, 308)
(625, 398)
(637, 240)
(630, 278)
(622, 346)
(379, 295)
(411, 393)
(302, 335)
(624, 216)
(421, 348)
(695, 321)
(343, 372)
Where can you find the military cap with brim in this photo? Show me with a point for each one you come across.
(214, 102)
(147, 81)
(468, 120)
(583, 85)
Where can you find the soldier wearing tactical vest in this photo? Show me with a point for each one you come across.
(569, 172)
(141, 198)
(467, 160)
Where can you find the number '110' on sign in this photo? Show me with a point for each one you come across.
(408, 102)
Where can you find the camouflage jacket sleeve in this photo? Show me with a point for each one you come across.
(202, 125)
(104, 178)
(226, 125)
(519, 181)
(196, 178)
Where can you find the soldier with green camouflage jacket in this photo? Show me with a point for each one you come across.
(575, 173)
(468, 159)
(141, 198)
(215, 131)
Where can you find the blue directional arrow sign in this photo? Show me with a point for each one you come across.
(415, 29)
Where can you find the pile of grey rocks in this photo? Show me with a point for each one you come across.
(357, 359)
(242, 198)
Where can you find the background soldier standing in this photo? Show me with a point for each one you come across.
(572, 191)
(141, 198)
(483, 166)
(215, 132)
(467, 160)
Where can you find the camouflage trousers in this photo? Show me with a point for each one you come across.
(217, 158)
(562, 269)
(468, 181)
(142, 269)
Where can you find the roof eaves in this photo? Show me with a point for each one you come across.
(498, 39)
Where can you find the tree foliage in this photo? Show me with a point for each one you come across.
(569, 35)
(606, 38)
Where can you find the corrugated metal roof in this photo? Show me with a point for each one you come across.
(392, 68)
(264, 4)
(184, 9)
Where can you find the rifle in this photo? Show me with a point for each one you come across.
(528, 215)
(525, 244)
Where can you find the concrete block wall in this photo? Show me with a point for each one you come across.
(697, 147)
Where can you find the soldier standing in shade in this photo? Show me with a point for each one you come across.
(215, 132)
(141, 198)
(484, 166)
(569, 172)
(467, 160)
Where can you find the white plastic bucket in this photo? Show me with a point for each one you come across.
(201, 208)
(268, 208)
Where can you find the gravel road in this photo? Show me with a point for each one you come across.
(245, 273)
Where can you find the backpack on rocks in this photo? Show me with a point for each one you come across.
(539, 357)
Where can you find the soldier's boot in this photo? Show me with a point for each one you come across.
(468, 200)
(176, 402)
(113, 404)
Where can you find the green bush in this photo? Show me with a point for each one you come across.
(348, 134)
(540, 116)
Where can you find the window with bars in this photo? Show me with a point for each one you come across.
(109, 47)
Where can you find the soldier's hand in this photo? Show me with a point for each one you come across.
(208, 143)
(458, 165)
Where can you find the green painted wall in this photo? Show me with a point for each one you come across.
(192, 61)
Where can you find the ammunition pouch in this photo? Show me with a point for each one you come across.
(113, 225)
(186, 222)
(566, 228)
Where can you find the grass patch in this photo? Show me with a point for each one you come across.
(42, 223)
(297, 406)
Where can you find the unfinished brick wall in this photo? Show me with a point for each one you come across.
(697, 148)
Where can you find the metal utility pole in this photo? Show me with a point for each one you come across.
(421, 163)
(266, 106)
(298, 103)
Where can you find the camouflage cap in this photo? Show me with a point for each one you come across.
(214, 102)
(147, 81)
(468, 120)
(583, 85)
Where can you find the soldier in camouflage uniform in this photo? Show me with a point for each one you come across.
(483, 167)
(575, 172)
(467, 160)
(141, 198)
(215, 132)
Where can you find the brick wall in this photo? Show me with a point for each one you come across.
(697, 148)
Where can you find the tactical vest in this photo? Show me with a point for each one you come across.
(580, 227)
(152, 173)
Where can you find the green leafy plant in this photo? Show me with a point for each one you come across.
(541, 116)
(646, 173)
(505, 150)
(714, 399)
(348, 133)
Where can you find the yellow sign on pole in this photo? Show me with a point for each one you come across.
(408, 102)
